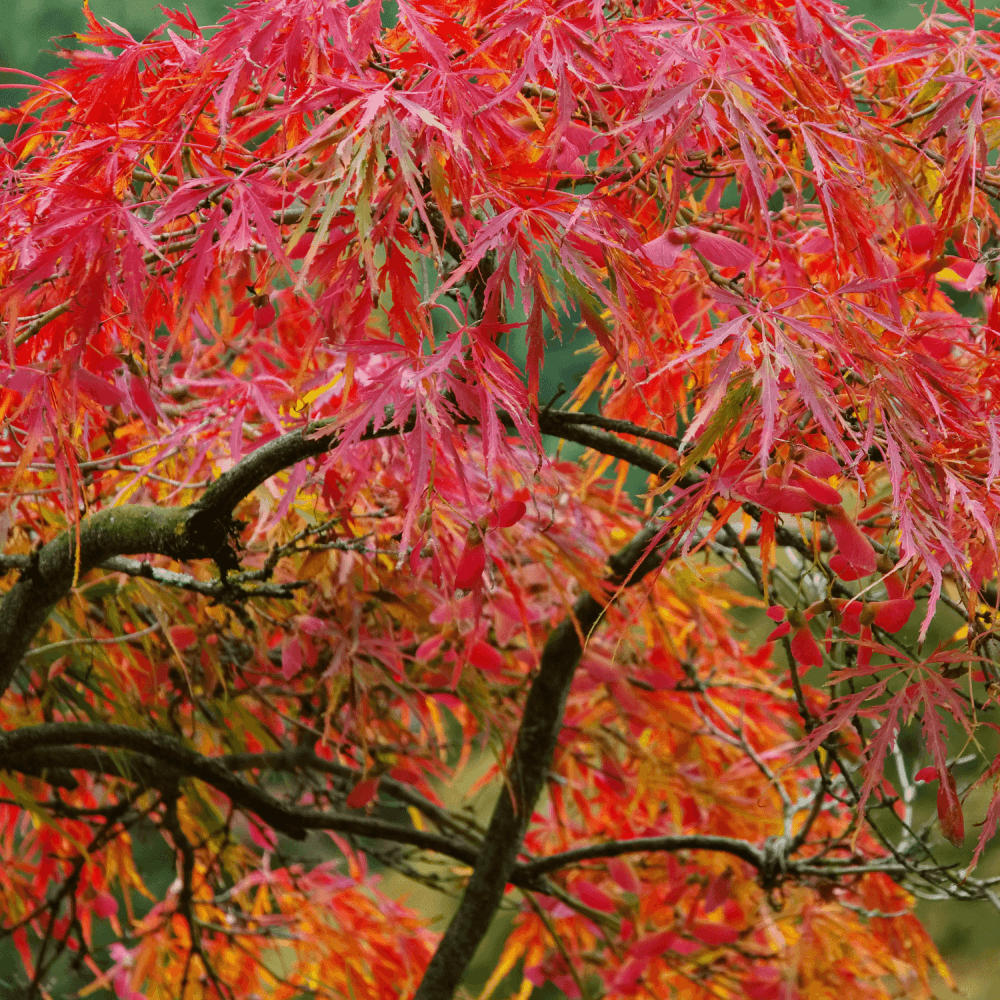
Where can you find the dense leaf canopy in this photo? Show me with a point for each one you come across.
(288, 558)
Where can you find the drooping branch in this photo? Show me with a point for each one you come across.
(305, 758)
(154, 758)
(529, 767)
(644, 845)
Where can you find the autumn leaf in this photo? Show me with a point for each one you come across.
(362, 794)
(410, 407)
(949, 808)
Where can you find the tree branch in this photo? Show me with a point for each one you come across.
(304, 758)
(642, 845)
(282, 453)
(556, 421)
(533, 750)
(197, 531)
(42, 751)
(131, 529)
(208, 588)
(552, 422)
(157, 759)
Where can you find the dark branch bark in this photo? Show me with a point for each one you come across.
(50, 751)
(128, 530)
(157, 759)
(529, 767)
(554, 422)
(169, 762)
(644, 845)
(304, 758)
(267, 460)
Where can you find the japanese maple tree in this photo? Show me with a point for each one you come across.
(288, 548)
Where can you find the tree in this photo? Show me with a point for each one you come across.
(285, 550)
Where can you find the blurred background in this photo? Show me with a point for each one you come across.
(968, 934)
(28, 25)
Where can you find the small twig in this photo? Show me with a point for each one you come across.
(38, 651)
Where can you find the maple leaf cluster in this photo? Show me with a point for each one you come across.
(288, 555)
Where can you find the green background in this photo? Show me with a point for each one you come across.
(968, 934)
(28, 25)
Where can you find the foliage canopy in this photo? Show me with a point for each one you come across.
(284, 551)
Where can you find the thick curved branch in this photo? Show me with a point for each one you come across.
(282, 453)
(529, 768)
(262, 463)
(197, 531)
